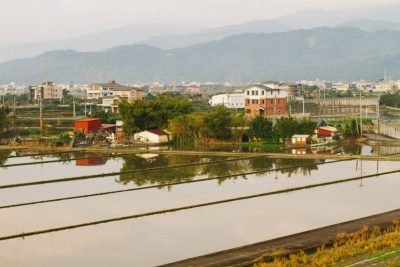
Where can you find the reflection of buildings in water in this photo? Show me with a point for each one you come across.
(147, 156)
(301, 151)
(328, 150)
(96, 161)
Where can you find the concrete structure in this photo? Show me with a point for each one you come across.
(153, 136)
(261, 100)
(46, 90)
(341, 86)
(390, 128)
(293, 89)
(300, 139)
(88, 125)
(110, 103)
(111, 88)
(235, 100)
(333, 107)
(385, 86)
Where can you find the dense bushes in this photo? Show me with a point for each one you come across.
(392, 100)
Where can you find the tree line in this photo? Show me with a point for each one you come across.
(176, 113)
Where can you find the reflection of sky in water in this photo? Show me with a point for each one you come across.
(169, 237)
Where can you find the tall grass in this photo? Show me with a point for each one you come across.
(345, 247)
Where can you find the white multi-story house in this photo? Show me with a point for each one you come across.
(235, 100)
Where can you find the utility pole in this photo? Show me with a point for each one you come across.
(303, 106)
(41, 114)
(73, 107)
(85, 107)
(379, 112)
(361, 123)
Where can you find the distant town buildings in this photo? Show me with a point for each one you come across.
(45, 91)
(341, 86)
(12, 89)
(386, 86)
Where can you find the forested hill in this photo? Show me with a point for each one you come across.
(324, 53)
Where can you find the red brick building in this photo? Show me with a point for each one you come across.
(261, 100)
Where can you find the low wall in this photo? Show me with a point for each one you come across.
(391, 129)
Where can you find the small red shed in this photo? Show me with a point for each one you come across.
(327, 131)
(88, 125)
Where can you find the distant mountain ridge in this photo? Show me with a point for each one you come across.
(324, 53)
(128, 34)
(371, 25)
(169, 36)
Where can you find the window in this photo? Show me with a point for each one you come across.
(272, 101)
(247, 101)
(248, 92)
(262, 101)
(257, 92)
(262, 92)
(252, 92)
(248, 111)
(271, 92)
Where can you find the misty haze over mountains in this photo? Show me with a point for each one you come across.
(324, 53)
(170, 36)
(360, 45)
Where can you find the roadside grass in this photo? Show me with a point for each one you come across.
(364, 244)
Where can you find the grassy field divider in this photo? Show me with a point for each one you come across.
(218, 202)
(93, 176)
(157, 186)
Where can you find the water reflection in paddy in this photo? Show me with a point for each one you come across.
(164, 197)
(174, 236)
(164, 238)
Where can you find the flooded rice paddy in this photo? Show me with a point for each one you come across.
(36, 197)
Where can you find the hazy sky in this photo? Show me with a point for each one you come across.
(36, 20)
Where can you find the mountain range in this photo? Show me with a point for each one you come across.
(331, 53)
(170, 36)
